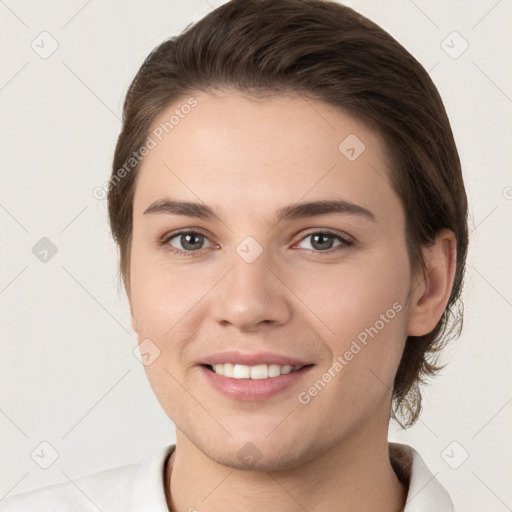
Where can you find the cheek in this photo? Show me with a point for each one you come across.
(160, 295)
(360, 312)
(170, 304)
(164, 301)
(349, 298)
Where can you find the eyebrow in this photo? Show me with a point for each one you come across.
(291, 212)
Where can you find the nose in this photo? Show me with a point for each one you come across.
(251, 296)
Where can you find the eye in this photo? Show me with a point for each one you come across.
(323, 241)
(188, 241)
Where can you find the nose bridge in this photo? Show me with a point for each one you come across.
(250, 294)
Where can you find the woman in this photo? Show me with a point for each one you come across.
(289, 207)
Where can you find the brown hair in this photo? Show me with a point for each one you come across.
(328, 52)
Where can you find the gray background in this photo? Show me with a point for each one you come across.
(68, 375)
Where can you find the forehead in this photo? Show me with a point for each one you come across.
(256, 153)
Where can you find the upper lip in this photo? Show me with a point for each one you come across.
(254, 359)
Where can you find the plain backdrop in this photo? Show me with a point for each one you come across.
(68, 374)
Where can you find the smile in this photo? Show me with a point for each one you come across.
(260, 371)
(253, 383)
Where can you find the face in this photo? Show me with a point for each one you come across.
(229, 265)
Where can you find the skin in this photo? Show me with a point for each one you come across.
(246, 159)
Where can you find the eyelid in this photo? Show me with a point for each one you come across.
(182, 231)
(345, 240)
(328, 231)
(167, 237)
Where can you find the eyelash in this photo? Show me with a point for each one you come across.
(345, 242)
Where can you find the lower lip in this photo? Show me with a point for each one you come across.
(253, 389)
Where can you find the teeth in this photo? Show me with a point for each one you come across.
(261, 371)
(274, 370)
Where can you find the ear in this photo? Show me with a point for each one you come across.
(430, 292)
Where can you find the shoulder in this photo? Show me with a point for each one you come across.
(425, 491)
(109, 491)
(98, 491)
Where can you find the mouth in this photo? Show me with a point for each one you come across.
(256, 372)
(244, 383)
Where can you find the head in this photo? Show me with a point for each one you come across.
(255, 109)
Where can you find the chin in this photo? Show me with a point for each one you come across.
(281, 451)
(251, 458)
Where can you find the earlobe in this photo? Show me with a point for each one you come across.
(432, 291)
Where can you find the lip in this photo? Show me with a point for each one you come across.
(256, 358)
(252, 389)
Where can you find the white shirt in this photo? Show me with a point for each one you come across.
(140, 488)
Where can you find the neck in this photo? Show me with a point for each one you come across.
(354, 475)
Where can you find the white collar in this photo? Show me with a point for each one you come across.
(148, 491)
(425, 492)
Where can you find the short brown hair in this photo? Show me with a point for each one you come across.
(329, 52)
